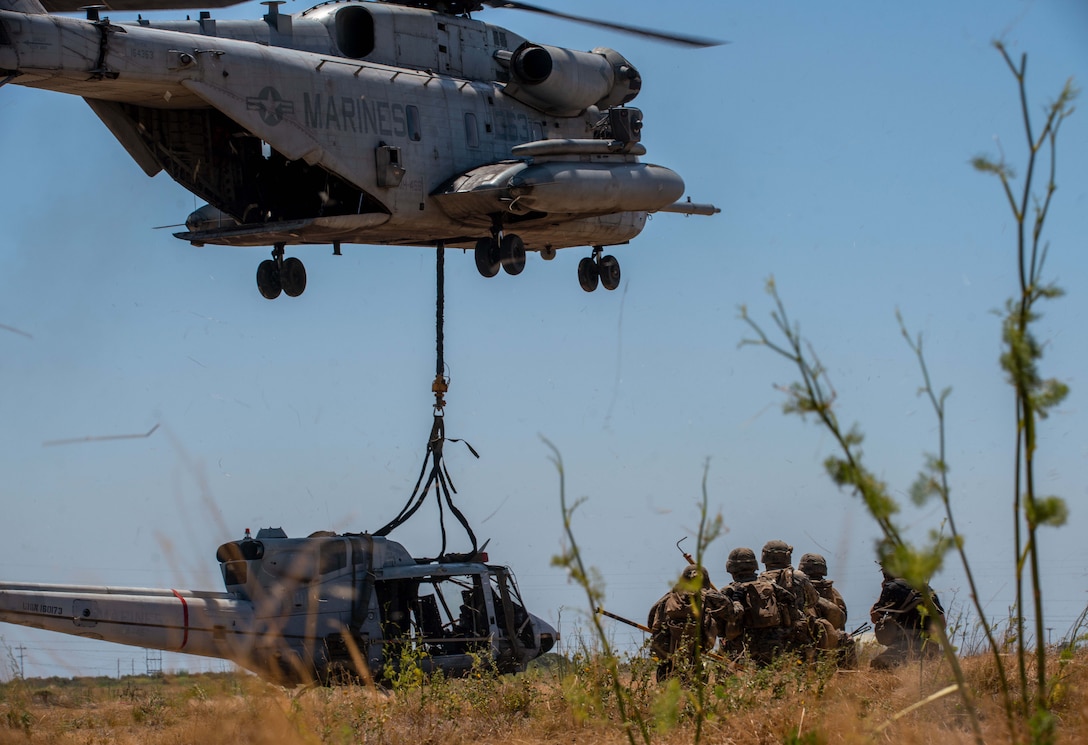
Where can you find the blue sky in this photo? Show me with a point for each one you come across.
(836, 140)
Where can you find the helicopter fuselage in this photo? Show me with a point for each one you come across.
(363, 122)
(324, 608)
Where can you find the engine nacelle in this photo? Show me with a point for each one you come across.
(209, 218)
(563, 82)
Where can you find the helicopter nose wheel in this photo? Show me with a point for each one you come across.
(278, 275)
(597, 268)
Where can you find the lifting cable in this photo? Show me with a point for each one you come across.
(438, 476)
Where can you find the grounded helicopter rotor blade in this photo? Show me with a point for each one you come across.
(689, 41)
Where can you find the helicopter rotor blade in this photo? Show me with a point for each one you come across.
(688, 41)
(74, 6)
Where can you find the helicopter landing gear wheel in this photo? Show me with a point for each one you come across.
(609, 269)
(268, 279)
(588, 276)
(487, 257)
(276, 275)
(512, 254)
(293, 277)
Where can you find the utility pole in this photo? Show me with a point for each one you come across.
(22, 651)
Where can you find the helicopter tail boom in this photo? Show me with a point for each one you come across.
(170, 620)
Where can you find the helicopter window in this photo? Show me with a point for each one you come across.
(355, 31)
(472, 133)
(415, 134)
(506, 595)
(235, 573)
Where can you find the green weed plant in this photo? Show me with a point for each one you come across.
(1027, 703)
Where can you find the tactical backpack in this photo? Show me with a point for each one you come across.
(766, 605)
(899, 609)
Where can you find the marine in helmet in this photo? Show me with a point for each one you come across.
(677, 624)
(725, 607)
(777, 557)
(902, 624)
(830, 611)
(743, 568)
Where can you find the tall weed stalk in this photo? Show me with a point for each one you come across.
(814, 395)
(1035, 396)
(671, 700)
(571, 560)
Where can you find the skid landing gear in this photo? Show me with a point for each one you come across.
(278, 275)
(597, 268)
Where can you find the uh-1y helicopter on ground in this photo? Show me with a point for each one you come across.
(328, 608)
(401, 122)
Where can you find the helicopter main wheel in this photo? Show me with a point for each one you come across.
(512, 254)
(293, 277)
(487, 257)
(268, 279)
(588, 276)
(609, 269)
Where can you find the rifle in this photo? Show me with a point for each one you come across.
(621, 619)
(691, 560)
(712, 655)
(861, 629)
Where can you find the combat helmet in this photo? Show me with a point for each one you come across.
(813, 565)
(741, 561)
(776, 554)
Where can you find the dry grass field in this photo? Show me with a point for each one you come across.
(569, 702)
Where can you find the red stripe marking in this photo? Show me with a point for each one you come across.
(184, 619)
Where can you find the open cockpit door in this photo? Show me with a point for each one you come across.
(452, 617)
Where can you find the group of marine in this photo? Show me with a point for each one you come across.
(759, 617)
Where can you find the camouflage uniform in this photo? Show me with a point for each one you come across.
(725, 609)
(742, 565)
(799, 636)
(675, 628)
(899, 624)
(830, 612)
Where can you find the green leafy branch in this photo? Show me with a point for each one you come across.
(590, 582)
(814, 394)
(1035, 396)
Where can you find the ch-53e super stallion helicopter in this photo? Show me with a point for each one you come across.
(400, 122)
(327, 608)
